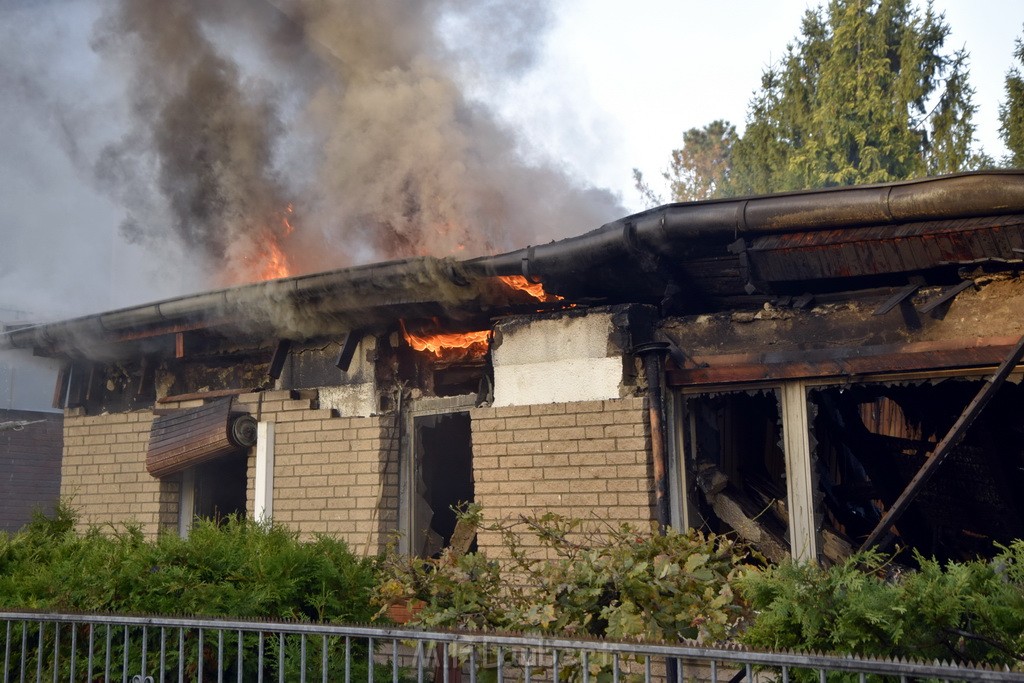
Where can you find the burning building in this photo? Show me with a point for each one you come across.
(816, 371)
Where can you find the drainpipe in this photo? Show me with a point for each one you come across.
(653, 354)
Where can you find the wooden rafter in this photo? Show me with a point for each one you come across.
(844, 361)
(879, 535)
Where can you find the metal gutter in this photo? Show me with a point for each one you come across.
(666, 231)
(277, 304)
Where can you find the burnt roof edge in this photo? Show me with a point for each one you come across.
(366, 287)
(659, 230)
(664, 229)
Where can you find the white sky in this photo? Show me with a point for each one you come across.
(622, 81)
(616, 86)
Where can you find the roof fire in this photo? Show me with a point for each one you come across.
(795, 361)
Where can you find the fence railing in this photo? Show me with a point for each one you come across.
(72, 647)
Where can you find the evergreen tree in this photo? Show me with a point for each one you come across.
(1011, 112)
(865, 94)
(951, 148)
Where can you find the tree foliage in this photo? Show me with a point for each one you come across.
(1011, 111)
(865, 94)
(700, 169)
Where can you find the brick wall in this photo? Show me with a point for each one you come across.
(587, 459)
(104, 472)
(332, 475)
(29, 466)
(335, 475)
(339, 475)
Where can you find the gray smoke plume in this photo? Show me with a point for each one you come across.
(348, 111)
(210, 135)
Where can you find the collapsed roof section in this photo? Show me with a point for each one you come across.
(690, 258)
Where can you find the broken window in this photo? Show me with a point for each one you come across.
(213, 490)
(871, 439)
(737, 460)
(438, 477)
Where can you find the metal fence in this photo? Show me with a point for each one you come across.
(70, 647)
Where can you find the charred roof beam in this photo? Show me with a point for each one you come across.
(880, 535)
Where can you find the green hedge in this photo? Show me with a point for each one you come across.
(965, 611)
(971, 611)
(237, 568)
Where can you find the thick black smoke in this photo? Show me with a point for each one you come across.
(209, 133)
(347, 110)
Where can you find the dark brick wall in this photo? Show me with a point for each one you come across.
(29, 466)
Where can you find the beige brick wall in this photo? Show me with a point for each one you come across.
(339, 475)
(104, 476)
(333, 475)
(589, 460)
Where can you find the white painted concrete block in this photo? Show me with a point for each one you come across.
(358, 396)
(350, 400)
(561, 360)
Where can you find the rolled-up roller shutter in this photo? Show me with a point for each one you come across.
(192, 436)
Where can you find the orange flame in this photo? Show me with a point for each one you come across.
(274, 261)
(449, 344)
(534, 289)
(269, 260)
(286, 224)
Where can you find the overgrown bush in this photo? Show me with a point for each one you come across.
(635, 584)
(628, 583)
(623, 583)
(465, 592)
(969, 611)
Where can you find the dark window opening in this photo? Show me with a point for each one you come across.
(871, 440)
(739, 464)
(220, 486)
(444, 478)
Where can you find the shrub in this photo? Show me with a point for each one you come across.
(631, 584)
(623, 583)
(234, 569)
(237, 568)
(969, 611)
